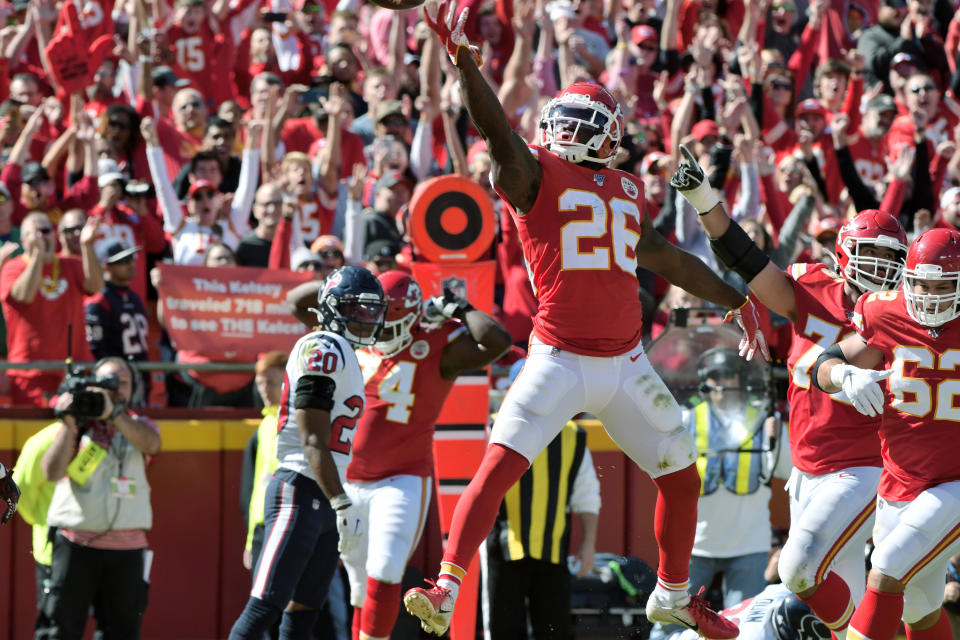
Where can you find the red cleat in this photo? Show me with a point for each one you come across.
(695, 614)
(433, 606)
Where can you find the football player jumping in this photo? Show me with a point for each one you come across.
(584, 233)
(834, 450)
(306, 509)
(911, 334)
(408, 374)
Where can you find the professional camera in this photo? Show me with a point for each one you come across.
(86, 405)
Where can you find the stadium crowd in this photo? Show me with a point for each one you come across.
(292, 135)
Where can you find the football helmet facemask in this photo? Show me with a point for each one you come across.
(351, 303)
(583, 123)
(404, 301)
(869, 273)
(934, 258)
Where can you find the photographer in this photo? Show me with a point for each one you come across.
(101, 504)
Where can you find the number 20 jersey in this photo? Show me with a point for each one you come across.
(919, 428)
(321, 353)
(826, 433)
(579, 239)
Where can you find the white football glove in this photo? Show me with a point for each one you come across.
(350, 528)
(862, 387)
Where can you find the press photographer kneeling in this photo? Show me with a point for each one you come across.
(101, 504)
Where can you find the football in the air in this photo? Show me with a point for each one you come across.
(398, 5)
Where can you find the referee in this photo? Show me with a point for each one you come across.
(525, 556)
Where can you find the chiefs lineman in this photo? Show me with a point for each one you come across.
(584, 233)
(911, 334)
(408, 374)
(306, 508)
(835, 451)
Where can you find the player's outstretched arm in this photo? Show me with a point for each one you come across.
(690, 274)
(848, 366)
(730, 243)
(515, 171)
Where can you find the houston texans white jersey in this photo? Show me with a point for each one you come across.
(326, 354)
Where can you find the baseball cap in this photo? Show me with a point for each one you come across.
(115, 251)
(163, 76)
(380, 249)
(903, 58)
(200, 185)
(810, 106)
(388, 108)
(650, 160)
(828, 224)
(34, 172)
(882, 102)
(643, 33)
(391, 180)
(109, 171)
(949, 196)
(326, 243)
(302, 256)
(705, 128)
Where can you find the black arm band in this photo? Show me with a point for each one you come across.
(738, 252)
(833, 351)
(314, 392)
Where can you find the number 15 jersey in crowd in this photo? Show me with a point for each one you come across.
(329, 355)
(579, 239)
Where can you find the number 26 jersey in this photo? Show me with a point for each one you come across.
(579, 239)
(326, 354)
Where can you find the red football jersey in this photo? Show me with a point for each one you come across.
(579, 239)
(404, 395)
(921, 414)
(826, 434)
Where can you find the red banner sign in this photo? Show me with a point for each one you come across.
(241, 311)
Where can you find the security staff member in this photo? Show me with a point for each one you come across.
(735, 461)
(101, 507)
(525, 556)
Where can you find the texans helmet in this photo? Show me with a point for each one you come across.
(352, 304)
(933, 266)
(793, 620)
(583, 123)
(404, 301)
(868, 273)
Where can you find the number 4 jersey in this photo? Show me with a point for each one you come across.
(826, 433)
(579, 239)
(404, 396)
(326, 354)
(922, 412)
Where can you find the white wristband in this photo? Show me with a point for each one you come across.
(341, 501)
(837, 374)
(703, 198)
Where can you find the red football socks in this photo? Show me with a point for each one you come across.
(832, 604)
(877, 617)
(380, 608)
(939, 631)
(675, 523)
(355, 627)
(477, 508)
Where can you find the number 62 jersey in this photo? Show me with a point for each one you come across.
(326, 354)
(918, 430)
